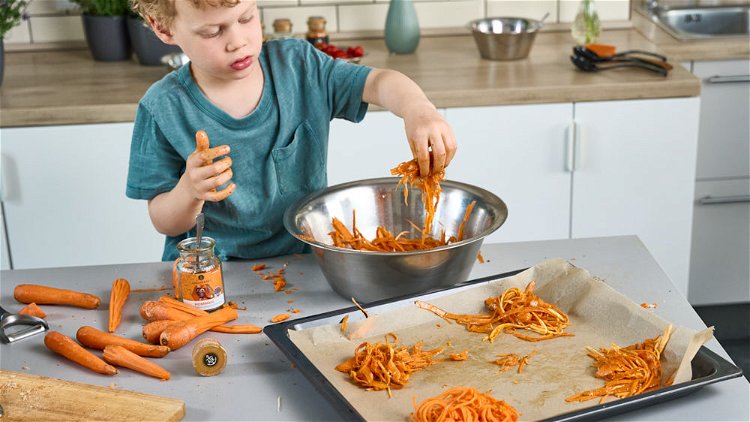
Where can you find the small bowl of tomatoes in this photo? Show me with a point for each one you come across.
(352, 54)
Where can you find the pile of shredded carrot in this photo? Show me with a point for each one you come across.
(463, 404)
(384, 240)
(386, 366)
(628, 371)
(509, 360)
(430, 187)
(514, 309)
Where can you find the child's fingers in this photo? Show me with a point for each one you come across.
(214, 182)
(449, 140)
(210, 154)
(422, 154)
(222, 194)
(438, 153)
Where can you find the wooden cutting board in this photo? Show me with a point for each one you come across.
(25, 397)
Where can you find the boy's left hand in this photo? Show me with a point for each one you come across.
(430, 137)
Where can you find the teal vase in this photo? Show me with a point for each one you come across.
(401, 27)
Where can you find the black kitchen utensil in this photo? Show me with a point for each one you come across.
(7, 320)
(590, 66)
(629, 56)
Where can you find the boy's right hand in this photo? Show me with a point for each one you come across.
(204, 175)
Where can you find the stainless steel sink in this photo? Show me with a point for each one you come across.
(703, 22)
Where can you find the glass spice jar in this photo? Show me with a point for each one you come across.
(197, 274)
(282, 28)
(316, 30)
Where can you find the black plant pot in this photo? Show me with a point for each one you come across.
(148, 48)
(107, 37)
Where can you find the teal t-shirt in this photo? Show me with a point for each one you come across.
(279, 151)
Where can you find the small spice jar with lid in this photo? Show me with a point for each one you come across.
(316, 30)
(197, 274)
(282, 28)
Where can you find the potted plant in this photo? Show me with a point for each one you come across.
(148, 48)
(11, 13)
(105, 29)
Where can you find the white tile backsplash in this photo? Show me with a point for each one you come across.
(529, 9)
(58, 20)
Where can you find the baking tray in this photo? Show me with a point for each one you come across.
(707, 366)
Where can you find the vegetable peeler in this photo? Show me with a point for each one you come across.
(7, 320)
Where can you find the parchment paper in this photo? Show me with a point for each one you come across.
(599, 316)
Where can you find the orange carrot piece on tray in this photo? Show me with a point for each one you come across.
(280, 317)
(117, 298)
(33, 310)
(65, 346)
(120, 356)
(45, 295)
(181, 333)
(95, 339)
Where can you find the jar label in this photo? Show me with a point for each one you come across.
(202, 290)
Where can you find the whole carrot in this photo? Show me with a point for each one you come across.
(117, 298)
(181, 333)
(95, 339)
(152, 331)
(45, 295)
(120, 356)
(65, 346)
(33, 310)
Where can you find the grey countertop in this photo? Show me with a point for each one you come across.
(259, 382)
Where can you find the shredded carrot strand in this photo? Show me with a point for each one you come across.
(509, 360)
(463, 404)
(430, 187)
(628, 371)
(386, 366)
(514, 309)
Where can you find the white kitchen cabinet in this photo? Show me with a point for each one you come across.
(724, 139)
(367, 149)
(5, 263)
(635, 174)
(65, 201)
(720, 257)
(517, 152)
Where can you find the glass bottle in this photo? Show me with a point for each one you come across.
(197, 274)
(401, 27)
(586, 26)
(282, 28)
(316, 30)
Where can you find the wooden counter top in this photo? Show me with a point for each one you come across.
(68, 87)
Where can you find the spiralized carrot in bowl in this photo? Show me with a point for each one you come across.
(463, 404)
(383, 366)
(514, 309)
(628, 371)
(430, 187)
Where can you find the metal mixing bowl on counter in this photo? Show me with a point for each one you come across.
(504, 38)
(368, 276)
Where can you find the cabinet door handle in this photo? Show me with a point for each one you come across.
(572, 147)
(730, 199)
(724, 79)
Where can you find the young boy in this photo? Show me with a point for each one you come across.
(267, 110)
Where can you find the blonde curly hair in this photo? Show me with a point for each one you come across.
(164, 11)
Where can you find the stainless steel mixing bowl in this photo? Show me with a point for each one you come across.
(504, 38)
(369, 276)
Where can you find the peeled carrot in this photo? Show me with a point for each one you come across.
(95, 339)
(156, 311)
(152, 331)
(181, 311)
(181, 333)
(33, 310)
(117, 298)
(602, 50)
(120, 356)
(65, 346)
(44, 295)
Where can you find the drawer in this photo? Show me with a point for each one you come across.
(724, 136)
(720, 254)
